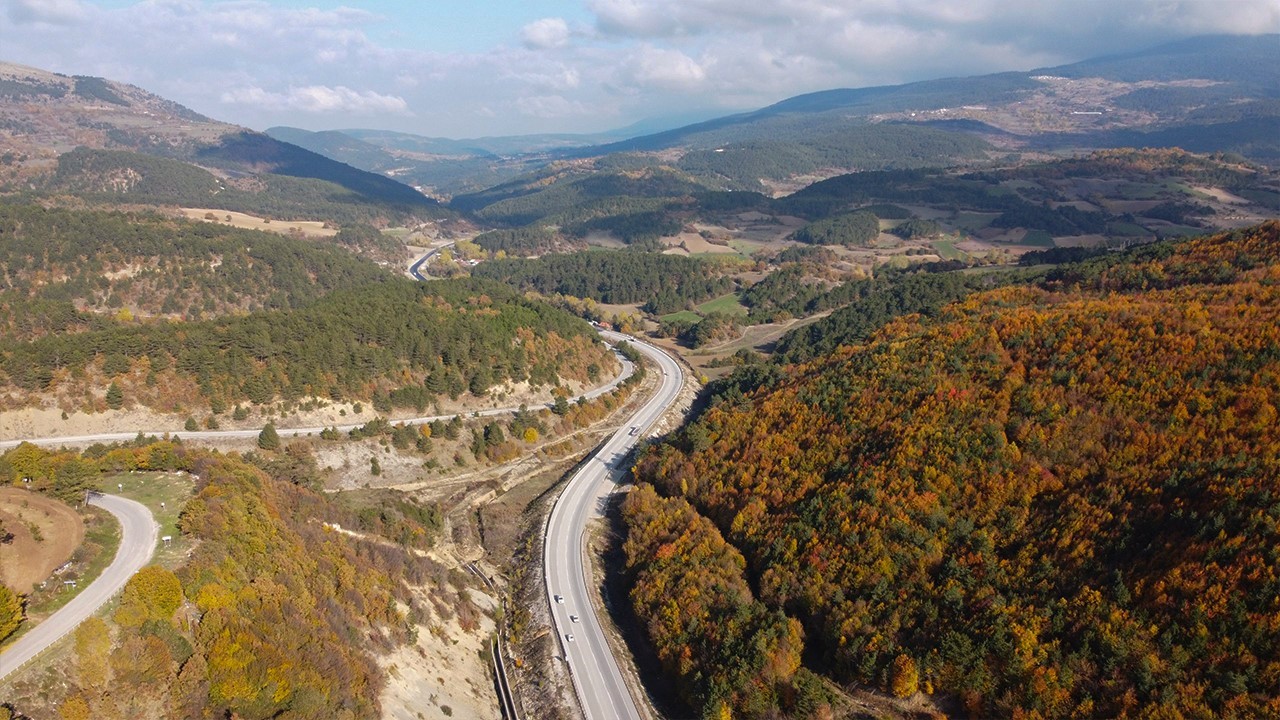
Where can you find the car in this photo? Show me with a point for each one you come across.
(635, 430)
(569, 637)
(560, 599)
(573, 618)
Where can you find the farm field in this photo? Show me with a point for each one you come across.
(308, 228)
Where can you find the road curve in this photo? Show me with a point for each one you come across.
(596, 675)
(138, 531)
(415, 270)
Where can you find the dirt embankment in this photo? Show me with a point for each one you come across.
(44, 534)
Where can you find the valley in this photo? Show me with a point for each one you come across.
(952, 398)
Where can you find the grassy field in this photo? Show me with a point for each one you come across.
(1037, 238)
(682, 316)
(974, 221)
(164, 494)
(308, 228)
(947, 250)
(725, 303)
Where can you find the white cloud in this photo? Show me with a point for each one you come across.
(667, 69)
(260, 63)
(318, 99)
(53, 12)
(545, 34)
(549, 107)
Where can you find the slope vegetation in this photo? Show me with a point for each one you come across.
(1053, 500)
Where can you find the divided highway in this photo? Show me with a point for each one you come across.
(597, 678)
(138, 533)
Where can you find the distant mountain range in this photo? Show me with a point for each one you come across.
(131, 144)
(1207, 94)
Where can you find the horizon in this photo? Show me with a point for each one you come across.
(456, 71)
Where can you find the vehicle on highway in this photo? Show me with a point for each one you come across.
(573, 618)
(635, 430)
(560, 599)
(569, 637)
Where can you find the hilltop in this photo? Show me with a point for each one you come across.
(129, 141)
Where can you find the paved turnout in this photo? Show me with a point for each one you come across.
(596, 676)
(138, 533)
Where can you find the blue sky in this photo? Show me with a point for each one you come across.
(457, 68)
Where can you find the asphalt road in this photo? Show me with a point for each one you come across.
(415, 270)
(626, 372)
(137, 544)
(596, 675)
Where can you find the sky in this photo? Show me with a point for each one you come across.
(466, 68)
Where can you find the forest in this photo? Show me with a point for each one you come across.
(663, 282)
(445, 338)
(270, 616)
(147, 265)
(1055, 498)
(291, 193)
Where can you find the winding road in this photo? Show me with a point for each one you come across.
(138, 531)
(597, 678)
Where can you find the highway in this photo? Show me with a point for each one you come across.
(597, 678)
(138, 533)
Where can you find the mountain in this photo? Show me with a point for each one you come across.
(444, 167)
(1159, 97)
(45, 115)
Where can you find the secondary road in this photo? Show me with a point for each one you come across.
(626, 371)
(596, 675)
(415, 270)
(138, 533)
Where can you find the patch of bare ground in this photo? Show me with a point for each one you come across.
(58, 417)
(44, 533)
(444, 671)
(305, 228)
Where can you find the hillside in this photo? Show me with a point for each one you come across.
(69, 271)
(424, 340)
(266, 614)
(1173, 80)
(1053, 498)
(44, 115)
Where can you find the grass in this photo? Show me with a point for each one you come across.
(725, 303)
(682, 316)
(974, 221)
(1037, 238)
(747, 248)
(164, 494)
(947, 250)
(1126, 229)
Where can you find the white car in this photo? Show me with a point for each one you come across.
(573, 618)
(560, 599)
(569, 637)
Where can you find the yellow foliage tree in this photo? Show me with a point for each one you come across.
(74, 708)
(93, 644)
(10, 611)
(904, 679)
(153, 593)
